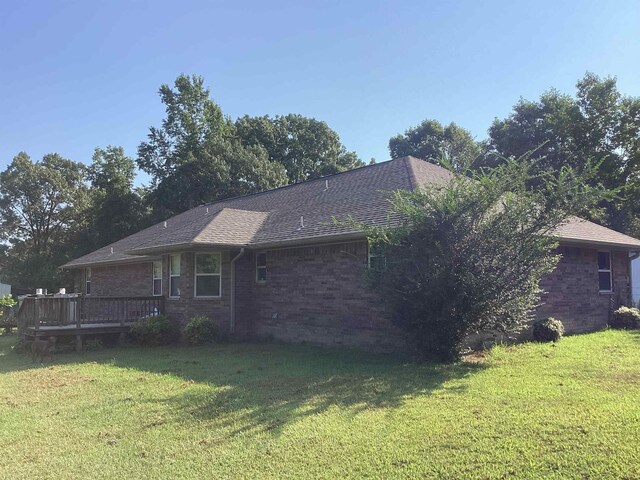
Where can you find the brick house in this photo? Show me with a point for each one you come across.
(274, 265)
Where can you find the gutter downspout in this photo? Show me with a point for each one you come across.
(632, 257)
(232, 317)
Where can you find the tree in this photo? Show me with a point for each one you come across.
(599, 125)
(117, 209)
(450, 146)
(468, 256)
(224, 170)
(306, 147)
(191, 156)
(39, 205)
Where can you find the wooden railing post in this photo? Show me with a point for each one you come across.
(79, 311)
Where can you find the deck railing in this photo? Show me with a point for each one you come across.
(35, 312)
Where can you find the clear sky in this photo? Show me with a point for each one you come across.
(76, 75)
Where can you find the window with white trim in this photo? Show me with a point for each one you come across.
(261, 268)
(208, 277)
(605, 280)
(157, 278)
(174, 275)
(87, 281)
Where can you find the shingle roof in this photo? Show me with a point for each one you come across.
(578, 230)
(274, 217)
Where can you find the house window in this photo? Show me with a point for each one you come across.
(261, 267)
(208, 275)
(157, 278)
(375, 262)
(604, 272)
(174, 276)
(87, 281)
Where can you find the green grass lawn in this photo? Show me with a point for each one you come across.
(569, 410)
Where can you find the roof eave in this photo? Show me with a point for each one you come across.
(181, 247)
(316, 239)
(581, 241)
(121, 261)
(253, 245)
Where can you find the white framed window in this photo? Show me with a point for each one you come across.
(157, 278)
(261, 267)
(87, 281)
(605, 279)
(174, 275)
(208, 277)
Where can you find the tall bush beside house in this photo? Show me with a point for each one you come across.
(201, 330)
(625, 318)
(467, 255)
(154, 331)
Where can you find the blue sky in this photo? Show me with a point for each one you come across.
(76, 75)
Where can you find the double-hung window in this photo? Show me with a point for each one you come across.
(208, 276)
(157, 278)
(604, 272)
(261, 267)
(87, 281)
(174, 275)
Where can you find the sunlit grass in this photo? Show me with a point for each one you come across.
(566, 410)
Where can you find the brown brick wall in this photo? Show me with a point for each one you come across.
(137, 280)
(572, 294)
(314, 294)
(187, 306)
(126, 280)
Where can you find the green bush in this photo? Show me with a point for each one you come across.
(201, 330)
(159, 330)
(548, 330)
(625, 318)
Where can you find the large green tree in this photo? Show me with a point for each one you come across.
(451, 146)
(117, 208)
(306, 147)
(598, 125)
(39, 205)
(195, 157)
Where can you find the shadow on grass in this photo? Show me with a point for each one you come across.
(251, 388)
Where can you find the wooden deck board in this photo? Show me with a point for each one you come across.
(84, 329)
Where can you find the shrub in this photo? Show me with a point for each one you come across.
(548, 330)
(201, 330)
(626, 318)
(159, 330)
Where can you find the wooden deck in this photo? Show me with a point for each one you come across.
(78, 316)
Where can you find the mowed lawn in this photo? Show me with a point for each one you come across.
(570, 410)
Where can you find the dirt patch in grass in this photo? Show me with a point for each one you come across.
(50, 378)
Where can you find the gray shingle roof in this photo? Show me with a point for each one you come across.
(273, 217)
(577, 230)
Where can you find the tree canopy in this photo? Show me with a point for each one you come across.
(450, 146)
(307, 148)
(116, 209)
(39, 202)
(598, 125)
